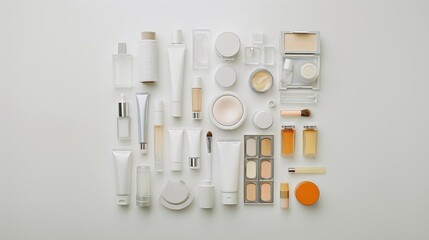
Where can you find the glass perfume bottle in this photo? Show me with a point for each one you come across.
(288, 140)
(310, 141)
(122, 67)
(123, 120)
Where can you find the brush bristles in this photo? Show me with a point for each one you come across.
(209, 134)
(305, 113)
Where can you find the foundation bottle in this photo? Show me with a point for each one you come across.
(196, 98)
(288, 140)
(310, 141)
(159, 135)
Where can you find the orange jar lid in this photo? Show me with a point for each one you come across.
(307, 193)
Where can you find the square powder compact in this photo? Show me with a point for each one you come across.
(258, 169)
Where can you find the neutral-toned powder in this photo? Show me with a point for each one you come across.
(251, 192)
(251, 169)
(262, 81)
(266, 147)
(266, 192)
(266, 169)
(251, 147)
(300, 42)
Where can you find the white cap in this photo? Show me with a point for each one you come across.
(263, 119)
(158, 118)
(206, 194)
(196, 83)
(229, 198)
(176, 109)
(176, 37)
(225, 76)
(176, 166)
(123, 200)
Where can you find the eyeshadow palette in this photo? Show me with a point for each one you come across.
(258, 169)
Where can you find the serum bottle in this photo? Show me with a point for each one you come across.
(123, 120)
(159, 135)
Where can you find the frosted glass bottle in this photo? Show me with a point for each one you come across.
(122, 67)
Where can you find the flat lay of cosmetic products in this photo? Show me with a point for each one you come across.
(250, 155)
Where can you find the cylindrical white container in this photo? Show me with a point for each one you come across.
(148, 58)
(143, 186)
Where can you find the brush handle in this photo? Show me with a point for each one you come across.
(290, 113)
(209, 167)
(315, 170)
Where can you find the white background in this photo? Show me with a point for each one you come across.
(58, 110)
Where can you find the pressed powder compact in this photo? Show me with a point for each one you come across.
(261, 80)
(258, 169)
(228, 111)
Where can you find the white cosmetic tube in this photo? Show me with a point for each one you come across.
(142, 109)
(194, 147)
(176, 60)
(176, 149)
(229, 164)
(122, 164)
(143, 186)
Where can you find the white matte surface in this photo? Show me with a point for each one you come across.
(58, 113)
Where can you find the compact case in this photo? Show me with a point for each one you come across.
(300, 64)
(258, 169)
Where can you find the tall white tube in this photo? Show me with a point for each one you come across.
(122, 164)
(176, 149)
(142, 112)
(194, 147)
(229, 164)
(176, 60)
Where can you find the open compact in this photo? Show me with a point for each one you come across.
(227, 111)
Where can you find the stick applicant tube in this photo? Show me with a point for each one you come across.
(176, 60)
(142, 109)
(122, 164)
(229, 164)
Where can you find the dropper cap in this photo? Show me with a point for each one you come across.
(122, 48)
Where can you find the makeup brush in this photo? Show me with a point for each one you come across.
(295, 113)
(206, 188)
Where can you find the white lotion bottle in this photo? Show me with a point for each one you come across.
(123, 121)
(158, 135)
(229, 165)
(176, 149)
(122, 165)
(176, 60)
(148, 58)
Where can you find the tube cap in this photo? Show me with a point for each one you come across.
(176, 37)
(158, 118)
(176, 166)
(194, 162)
(196, 82)
(206, 194)
(122, 48)
(176, 109)
(229, 198)
(123, 200)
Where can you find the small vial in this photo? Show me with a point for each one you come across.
(310, 141)
(143, 186)
(284, 195)
(123, 120)
(122, 67)
(288, 140)
(158, 135)
(196, 98)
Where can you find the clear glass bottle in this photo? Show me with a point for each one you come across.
(309, 141)
(288, 140)
(196, 98)
(122, 67)
(143, 186)
(159, 135)
(123, 120)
